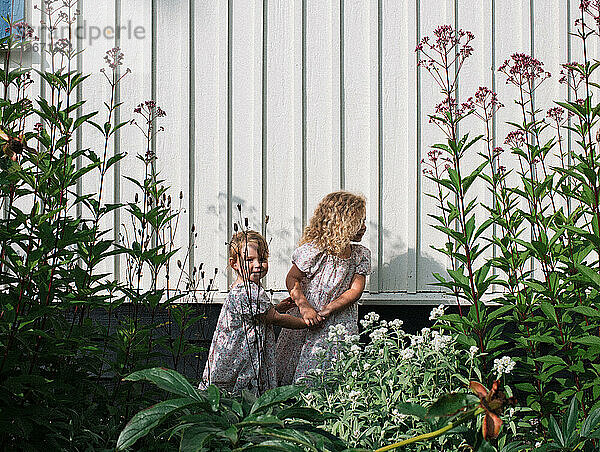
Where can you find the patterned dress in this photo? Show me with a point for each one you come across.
(326, 278)
(241, 354)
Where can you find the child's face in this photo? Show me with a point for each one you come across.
(249, 265)
(359, 234)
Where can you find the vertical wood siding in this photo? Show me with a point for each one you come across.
(271, 104)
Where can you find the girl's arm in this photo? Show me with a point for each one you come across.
(308, 313)
(284, 320)
(285, 305)
(357, 286)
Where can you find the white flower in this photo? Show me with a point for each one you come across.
(425, 331)
(355, 349)
(436, 313)
(378, 334)
(354, 394)
(503, 365)
(440, 341)
(354, 373)
(383, 323)
(369, 319)
(473, 350)
(319, 351)
(538, 444)
(380, 352)
(399, 417)
(407, 353)
(367, 366)
(353, 338)
(337, 333)
(396, 324)
(416, 340)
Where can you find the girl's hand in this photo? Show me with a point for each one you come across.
(311, 317)
(325, 312)
(285, 305)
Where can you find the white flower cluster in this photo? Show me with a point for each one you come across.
(473, 350)
(355, 349)
(353, 395)
(503, 365)
(337, 333)
(396, 324)
(378, 334)
(407, 353)
(436, 313)
(440, 341)
(369, 319)
(416, 340)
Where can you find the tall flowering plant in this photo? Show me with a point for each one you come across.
(444, 56)
(545, 208)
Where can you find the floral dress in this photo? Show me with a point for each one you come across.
(326, 278)
(241, 354)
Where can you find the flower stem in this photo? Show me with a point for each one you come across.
(473, 413)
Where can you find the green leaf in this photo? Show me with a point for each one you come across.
(167, 379)
(591, 275)
(214, 397)
(144, 421)
(555, 431)
(569, 421)
(261, 420)
(412, 409)
(592, 341)
(450, 404)
(586, 310)
(275, 396)
(193, 438)
(591, 423)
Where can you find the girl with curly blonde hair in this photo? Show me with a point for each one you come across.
(327, 277)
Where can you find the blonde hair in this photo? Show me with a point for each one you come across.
(337, 218)
(238, 243)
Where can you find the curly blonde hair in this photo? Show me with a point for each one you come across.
(337, 218)
(238, 243)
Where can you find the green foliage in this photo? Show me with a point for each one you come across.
(60, 368)
(208, 420)
(567, 437)
(381, 393)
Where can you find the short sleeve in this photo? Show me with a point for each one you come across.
(307, 258)
(249, 300)
(363, 266)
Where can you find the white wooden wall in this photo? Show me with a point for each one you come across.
(274, 103)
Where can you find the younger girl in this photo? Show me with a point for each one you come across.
(242, 354)
(326, 279)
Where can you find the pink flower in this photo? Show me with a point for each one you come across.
(556, 114)
(486, 103)
(114, 57)
(524, 71)
(572, 75)
(516, 138)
